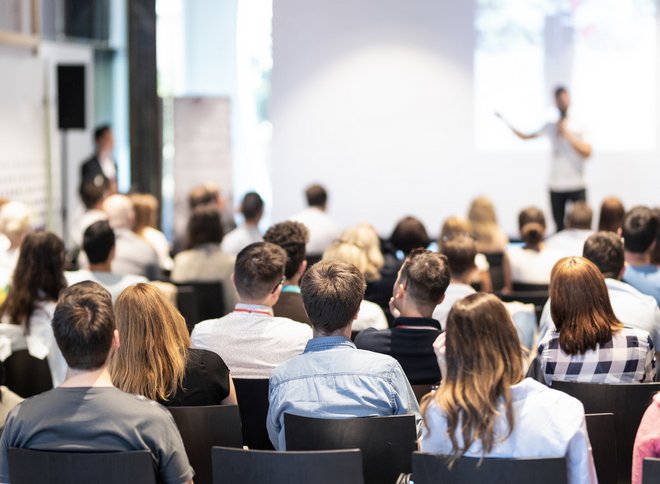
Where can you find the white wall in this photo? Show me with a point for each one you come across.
(374, 98)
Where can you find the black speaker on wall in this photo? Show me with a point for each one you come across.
(71, 96)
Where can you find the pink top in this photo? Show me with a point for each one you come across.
(647, 442)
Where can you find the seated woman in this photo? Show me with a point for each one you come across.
(484, 407)
(370, 315)
(146, 208)
(490, 238)
(28, 309)
(531, 263)
(590, 344)
(155, 359)
(647, 442)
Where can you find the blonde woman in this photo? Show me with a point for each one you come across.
(365, 236)
(371, 314)
(146, 207)
(484, 407)
(490, 237)
(155, 359)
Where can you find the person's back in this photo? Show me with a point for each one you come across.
(647, 441)
(322, 229)
(569, 242)
(332, 378)
(252, 209)
(640, 235)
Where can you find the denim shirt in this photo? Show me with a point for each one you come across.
(333, 379)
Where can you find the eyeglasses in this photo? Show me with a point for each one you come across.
(281, 283)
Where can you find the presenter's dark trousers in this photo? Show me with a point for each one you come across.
(558, 201)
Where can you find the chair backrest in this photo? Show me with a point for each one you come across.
(421, 390)
(523, 287)
(202, 428)
(627, 402)
(432, 469)
(186, 302)
(26, 375)
(386, 443)
(232, 466)
(46, 467)
(252, 396)
(199, 301)
(496, 269)
(600, 427)
(651, 471)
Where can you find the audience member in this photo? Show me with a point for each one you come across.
(92, 196)
(332, 378)
(252, 209)
(631, 307)
(533, 262)
(146, 222)
(28, 310)
(370, 315)
(322, 229)
(250, 340)
(489, 236)
(641, 230)
(204, 260)
(419, 288)
(590, 344)
(655, 255)
(170, 372)
(99, 169)
(484, 407)
(98, 245)
(611, 215)
(292, 237)
(87, 413)
(409, 234)
(15, 224)
(460, 252)
(647, 441)
(569, 242)
(133, 256)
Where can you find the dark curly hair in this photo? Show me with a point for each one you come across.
(293, 238)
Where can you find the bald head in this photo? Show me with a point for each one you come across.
(120, 211)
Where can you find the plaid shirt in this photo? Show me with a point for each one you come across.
(627, 358)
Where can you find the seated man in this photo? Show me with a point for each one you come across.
(322, 229)
(332, 378)
(419, 288)
(99, 247)
(640, 235)
(250, 340)
(87, 413)
(252, 209)
(569, 242)
(292, 237)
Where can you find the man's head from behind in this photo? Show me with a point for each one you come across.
(640, 230)
(460, 252)
(252, 207)
(98, 242)
(316, 196)
(258, 272)
(332, 292)
(120, 211)
(423, 279)
(293, 238)
(605, 250)
(580, 216)
(84, 326)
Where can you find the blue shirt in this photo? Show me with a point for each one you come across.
(645, 279)
(333, 379)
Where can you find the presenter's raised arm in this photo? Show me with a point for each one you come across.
(515, 131)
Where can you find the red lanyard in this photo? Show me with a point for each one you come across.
(265, 313)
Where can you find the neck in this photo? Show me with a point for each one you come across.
(101, 267)
(258, 302)
(345, 331)
(252, 223)
(294, 281)
(538, 246)
(88, 378)
(461, 279)
(638, 259)
(411, 310)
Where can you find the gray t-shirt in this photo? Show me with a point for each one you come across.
(96, 419)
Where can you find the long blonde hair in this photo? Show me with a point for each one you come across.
(484, 359)
(365, 236)
(151, 359)
(484, 222)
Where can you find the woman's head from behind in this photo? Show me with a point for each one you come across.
(531, 223)
(483, 219)
(483, 361)
(204, 226)
(154, 342)
(145, 206)
(454, 227)
(349, 253)
(409, 234)
(580, 305)
(365, 236)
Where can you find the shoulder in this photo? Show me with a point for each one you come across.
(552, 402)
(635, 335)
(207, 326)
(293, 328)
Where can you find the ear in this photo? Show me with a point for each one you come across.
(400, 290)
(233, 281)
(302, 268)
(115, 339)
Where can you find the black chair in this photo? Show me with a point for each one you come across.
(26, 375)
(186, 302)
(627, 402)
(46, 467)
(252, 396)
(522, 287)
(496, 270)
(651, 471)
(232, 466)
(421, 390)
(209, 301)
(600, 427)
(386, 443)
(433, 469)
(204, 427)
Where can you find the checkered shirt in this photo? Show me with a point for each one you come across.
(627, 358)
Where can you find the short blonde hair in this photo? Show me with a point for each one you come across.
(349, 253)
(365, 236)
(15, 219)
(453, 227)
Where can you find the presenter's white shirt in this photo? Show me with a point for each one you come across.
(322, 229)
(567, 168)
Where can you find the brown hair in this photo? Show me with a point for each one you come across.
(204, 226)
(316, 196)
(292, 237)
(460, 252)
(453, 227)
(151, 360)
(580, 306)
(145, 207)
(484, 359)
(426, 274)
(332, 292)
(531, 223)
(207, 194)
(409, 234)
(258, 269)
(605, 250)
(580, 216)
(611, 215)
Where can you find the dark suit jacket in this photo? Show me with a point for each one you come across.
(91, 170)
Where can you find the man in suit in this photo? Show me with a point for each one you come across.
(99, 168)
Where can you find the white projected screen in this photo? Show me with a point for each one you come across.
(604, 51)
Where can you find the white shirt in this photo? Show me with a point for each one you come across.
(631, 307)
(251, 341)
(86, 219)
(160, 244)
(323, 231)
(371, 315)
(108, 168)
(547, 423)
(455, 292)
(114, 283)
(239, 238)
(568, 242)
(567, 168)
(530, 266)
